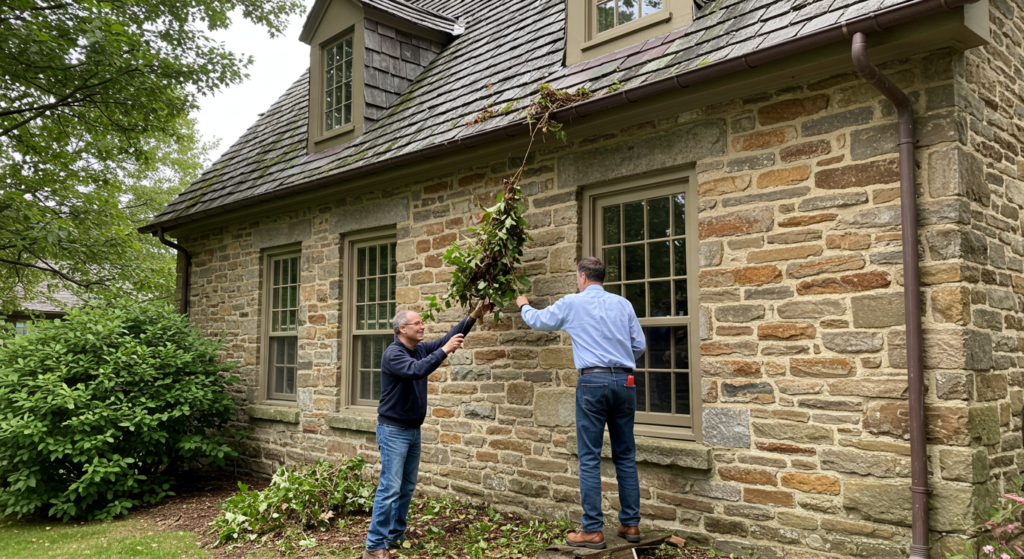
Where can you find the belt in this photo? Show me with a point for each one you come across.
(620, 370)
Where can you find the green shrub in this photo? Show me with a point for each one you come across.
(296, 499)
(97, 409)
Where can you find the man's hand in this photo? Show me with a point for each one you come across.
(481, 310)
(522, 300)
(454, 343)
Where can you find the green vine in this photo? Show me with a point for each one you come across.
(489, 268)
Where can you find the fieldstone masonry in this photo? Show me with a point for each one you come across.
(804, 447)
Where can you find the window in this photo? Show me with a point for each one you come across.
(613, 13)
(647, 238)
(598, 27)
(282, 336)
(372, 307)
(338, 84)
(21, 327)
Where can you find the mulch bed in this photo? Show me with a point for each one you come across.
(197, 503)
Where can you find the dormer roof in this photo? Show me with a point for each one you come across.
(401, 9)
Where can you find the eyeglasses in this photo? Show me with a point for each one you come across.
(420, 323)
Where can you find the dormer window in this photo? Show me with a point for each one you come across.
(338, 82)
(363, 56)
(613, 13)
(598, 27)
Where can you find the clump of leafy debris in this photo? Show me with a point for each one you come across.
(489, 268)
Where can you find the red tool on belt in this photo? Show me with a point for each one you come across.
(629, 380)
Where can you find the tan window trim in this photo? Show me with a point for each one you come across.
(348, 398)
(599, 39)
(264, 393)
(652, 185)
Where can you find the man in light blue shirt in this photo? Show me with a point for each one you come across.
(606, 342)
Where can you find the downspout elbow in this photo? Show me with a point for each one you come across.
(159, 233)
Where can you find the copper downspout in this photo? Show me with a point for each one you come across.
(159, 234)
(911, 292)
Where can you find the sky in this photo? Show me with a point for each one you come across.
(277, 63)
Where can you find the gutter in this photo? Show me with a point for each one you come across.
(911, 293)
(159, 234)
(838, 32)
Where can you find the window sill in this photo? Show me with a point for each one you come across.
(664, 452)
(352, 422)
(631, 27)
(337, 131)
(284, 414)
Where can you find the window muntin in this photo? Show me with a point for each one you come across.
(647, 242)
(610, 14)
(338, 84)
(283, 338)
(21, 327)
(374, 304)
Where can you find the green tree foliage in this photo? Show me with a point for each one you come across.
(98, 409)
(95, 134)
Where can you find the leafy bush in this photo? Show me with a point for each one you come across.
(98, 408)
(1002, 536)
(296, 498)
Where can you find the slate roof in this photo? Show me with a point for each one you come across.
(509, 47)
(418, 15)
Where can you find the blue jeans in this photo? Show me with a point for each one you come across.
(400, 464)
(604, 398)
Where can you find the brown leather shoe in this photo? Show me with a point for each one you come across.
(377, 554)
(592, 540)
(631, 533)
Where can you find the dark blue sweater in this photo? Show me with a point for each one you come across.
(403, 378)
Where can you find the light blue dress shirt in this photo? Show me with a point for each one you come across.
(605, 331)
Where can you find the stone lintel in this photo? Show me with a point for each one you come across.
(368, 216)
(352, 422)
(283, 414)
(665, 452)
(282, 234)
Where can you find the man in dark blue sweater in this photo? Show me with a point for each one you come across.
(405, 366)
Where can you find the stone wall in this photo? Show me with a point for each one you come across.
(804, 448)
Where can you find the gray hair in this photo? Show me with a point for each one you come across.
(401, 319)
(593, 268)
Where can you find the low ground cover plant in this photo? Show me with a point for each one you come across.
(298, 500)
(98, 410)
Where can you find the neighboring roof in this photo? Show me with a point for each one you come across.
(65, 298)
(509, 48)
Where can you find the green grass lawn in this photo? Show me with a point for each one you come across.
(124, 539)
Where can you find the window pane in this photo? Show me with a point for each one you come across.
(605, 16)
(682, 345)
(391, 291)
(331, 57)
(612, 226)
(633, 217)
(658, 218)
(365, 384)
(347, 46)
(660, 259)
(371, 295)
(371, 270)
(371, 316)
(394, 263)
(661, 392)
(682, 301)
(640, 379)
(384, 259)
(361, 317)
(382, 316)
(683, 393)
(616, 289)
(361, 263)
(635, 262)
(293, 265)
(376, 385)
(651, 6)
(636, 294)
(379, 345)
(613, 264)
(277, 273)
(680, 256)
(679, 214)
(628, 11)
(382, 288)
(659, 347)
(279, 380)
(660, 298)
(365, 353)
(361, 291)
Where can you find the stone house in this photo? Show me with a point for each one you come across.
(743, 184)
